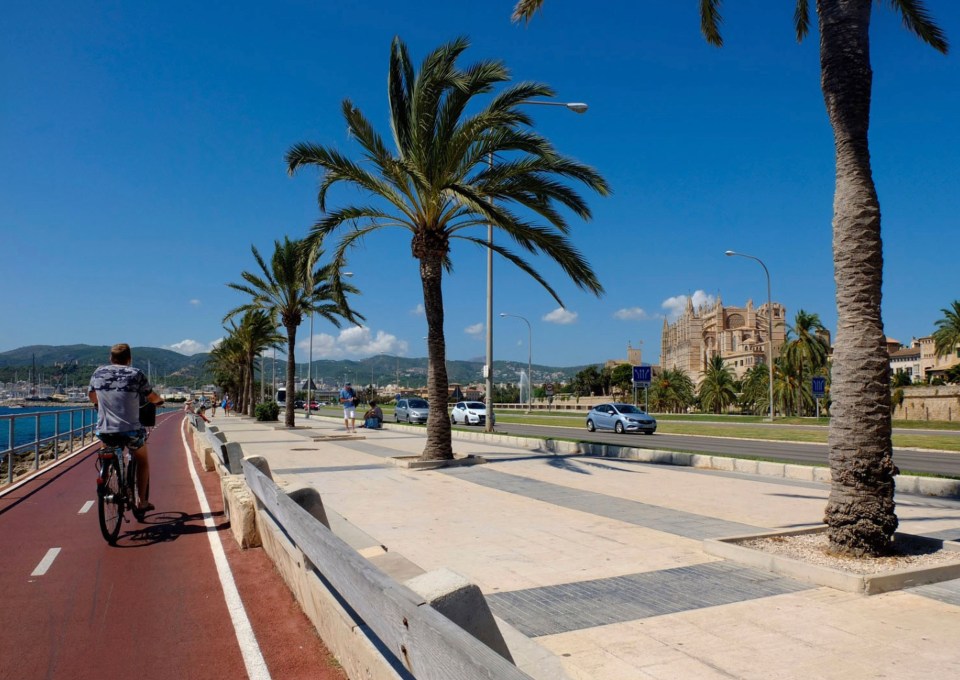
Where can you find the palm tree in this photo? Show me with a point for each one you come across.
(805, 349)
(290, 288)
(256, 333)
(860, 512)
(755, 394)
(455, 168)
(227, 362)
(717, 387)
(947, 336)
(671, 391)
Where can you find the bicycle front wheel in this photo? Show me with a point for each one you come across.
(110, 501)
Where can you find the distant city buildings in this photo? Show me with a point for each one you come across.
(919, 361)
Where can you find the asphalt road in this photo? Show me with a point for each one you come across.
(931, 462)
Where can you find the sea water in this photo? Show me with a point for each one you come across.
(52, 419)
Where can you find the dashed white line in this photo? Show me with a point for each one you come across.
(86, 507)
(46, 562)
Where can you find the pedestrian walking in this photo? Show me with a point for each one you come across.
(349, 400)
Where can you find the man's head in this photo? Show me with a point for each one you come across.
(373, 403)
(120, 354)
(347, 385)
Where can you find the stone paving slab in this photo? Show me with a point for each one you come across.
(584, 604)
(545, 531)
(662, 519)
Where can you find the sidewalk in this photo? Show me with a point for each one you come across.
(600, 560)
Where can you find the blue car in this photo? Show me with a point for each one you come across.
(620, 418)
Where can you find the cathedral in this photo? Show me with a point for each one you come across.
(738, 334)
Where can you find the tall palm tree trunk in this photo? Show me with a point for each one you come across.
(860, 511)
(291, 375)
(439, 445)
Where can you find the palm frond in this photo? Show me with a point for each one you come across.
(918, 21)
(525, 9)
(710, 21)
(399, 86)
(518, 261)
(801, 19)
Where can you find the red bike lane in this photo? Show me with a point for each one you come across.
(153, 606)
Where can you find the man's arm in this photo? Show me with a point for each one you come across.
(154, 398)
(92, 395)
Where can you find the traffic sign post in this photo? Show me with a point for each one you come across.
(819, 388)
(642, 375)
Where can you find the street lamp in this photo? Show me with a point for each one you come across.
(766, 271)
(576, 107)
(529, 358)
(310, 363)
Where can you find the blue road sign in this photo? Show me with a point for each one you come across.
(642, 375)
(819, 387)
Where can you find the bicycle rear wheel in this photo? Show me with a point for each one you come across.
(133, 489)
(110, 500)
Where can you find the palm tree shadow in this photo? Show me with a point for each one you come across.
(163, 527)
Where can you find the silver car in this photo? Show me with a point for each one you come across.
(471, 413)
(620, 418)
(411, 410)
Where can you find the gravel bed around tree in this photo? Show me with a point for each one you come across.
(908, 553)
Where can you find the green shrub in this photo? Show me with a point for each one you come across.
(268, 410)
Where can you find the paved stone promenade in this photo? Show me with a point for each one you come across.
(600, 561)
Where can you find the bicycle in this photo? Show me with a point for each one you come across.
(116, 487)
(117, 477)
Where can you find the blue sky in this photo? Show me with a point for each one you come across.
(143, 145)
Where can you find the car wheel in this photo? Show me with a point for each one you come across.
(396, 418)
(590, 426)
(453, 421)
(618, 427)
(649, 432)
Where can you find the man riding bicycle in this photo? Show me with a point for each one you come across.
(117, 390)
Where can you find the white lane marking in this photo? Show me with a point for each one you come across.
(86, 507)
(46, 562)
(249, 648)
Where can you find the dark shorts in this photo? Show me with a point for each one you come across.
(133, 440)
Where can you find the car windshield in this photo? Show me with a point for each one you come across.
(417, 403)
(476, 405)
(628, 408)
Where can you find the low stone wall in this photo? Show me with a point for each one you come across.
(929, 403)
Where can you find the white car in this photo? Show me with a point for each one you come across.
(470, 413)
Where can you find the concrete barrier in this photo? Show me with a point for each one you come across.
(461, 601)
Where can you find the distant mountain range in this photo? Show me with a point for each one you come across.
(74, 363)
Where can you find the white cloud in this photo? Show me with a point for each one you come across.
(561, 316)
(418, 310)
(195, 302)
(676, 304)
(476, 330)
(633, 314)
(191, 347)
(350, 343)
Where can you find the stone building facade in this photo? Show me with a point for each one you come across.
(920, 360)
(738, 334)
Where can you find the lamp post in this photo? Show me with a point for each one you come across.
(766, 271)
(529, 358)
(310, 361)
(576, 107)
